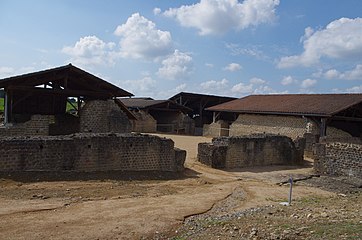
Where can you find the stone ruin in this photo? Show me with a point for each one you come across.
(98, 140)
(90, 152)
(250, 151)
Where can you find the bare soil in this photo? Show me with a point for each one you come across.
(201, 203)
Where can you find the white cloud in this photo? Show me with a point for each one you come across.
(214, 86)
(232, 67)
(210, 65)
(308, 83)
(331, 74)
(253, 51)
(355, 89)
(257, 81)
(255, 86)
(181, 87)
(218, 17)
(140, 87)
(288, 80)
(242, 88)
(91, 50)
(341, 39)
(156, 11)
(354, 74)
(141, 39)
(178, 65)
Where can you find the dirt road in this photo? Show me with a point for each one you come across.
(115, 209)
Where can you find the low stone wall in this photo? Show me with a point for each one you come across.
(252, 150)
(38, 125)
(216, 129)
(90, 152)
(340, 159)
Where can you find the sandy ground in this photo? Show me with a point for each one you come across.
(119, 209)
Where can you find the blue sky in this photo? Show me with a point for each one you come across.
(158, 48)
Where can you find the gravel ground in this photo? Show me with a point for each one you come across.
(337, 217)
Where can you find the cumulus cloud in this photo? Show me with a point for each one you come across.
(141, 87)
(141, 39)
(354, 74)
(257, 81)
(210, 65)
(242, 88)
(176, 66)
(232, 67)
(288, 80)
(308, 83)
(156, 11)
(220, 16)
(341, 39)
(355, 89)
(255, 86)
(91, 50)
(214, 86)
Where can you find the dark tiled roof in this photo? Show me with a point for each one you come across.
(143, 103)
(199, 95)
(291, 104)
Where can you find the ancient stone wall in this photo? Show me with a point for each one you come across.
(184, 124)
(103, 116)
(216, 129)
(341, 159)
(144, 123)
(292, 127)
(38, 125)
(90, 152)
(252, 150)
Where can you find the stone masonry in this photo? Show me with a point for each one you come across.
(90, 152)
(339, 159)
(103, 116)
(252, 150)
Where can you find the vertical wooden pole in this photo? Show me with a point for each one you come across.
(323, 127)
(6, 107)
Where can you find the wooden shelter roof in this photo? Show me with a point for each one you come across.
(66, 80)
(149, 103)
(318, 105)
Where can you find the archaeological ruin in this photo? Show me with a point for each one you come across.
(40, 133)
(250, 151)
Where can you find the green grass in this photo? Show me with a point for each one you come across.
(1, 104)
(69, 106)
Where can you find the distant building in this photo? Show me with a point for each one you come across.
(159, 116)
(198, 103)
(334, 115)
(36, 103)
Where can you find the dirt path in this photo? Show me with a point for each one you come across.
(133, 209)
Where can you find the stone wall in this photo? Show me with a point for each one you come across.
(144, 123)
(103, 116)
(292, 127)
(38, 125)
(340, 159)
(216, 129)
(90, 152)
(252, 150)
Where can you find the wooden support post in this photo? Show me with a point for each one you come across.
(6, 99)
(214, 117)
(323, 127)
